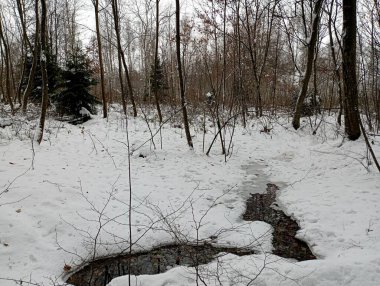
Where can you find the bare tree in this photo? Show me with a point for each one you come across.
(36, 53)
(377, 7)
(309, 64)
(337, 72)
(69, 11)
(45, 95)
(121, 59)
(115, 12)
(180, 75)
(155, 64)
(254, 43)
(100, 56)
(5, 51)
(351, 107)
(26, 44)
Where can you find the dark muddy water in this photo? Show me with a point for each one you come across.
(259, 207)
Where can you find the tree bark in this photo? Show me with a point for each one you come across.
(100, 56)
(5, 51)
(180, 75)
(156, 61)
(251, 48)
(21, 13)
(45, 95)
(350, 89)
(27, 43)
(377, 7)
(335, 62)
(115, 11)
(309, 64)
(36, 52)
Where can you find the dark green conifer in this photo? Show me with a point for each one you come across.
(157, 79)
(77, 81)
(53, 72)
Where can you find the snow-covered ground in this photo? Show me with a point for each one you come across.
(67, 199)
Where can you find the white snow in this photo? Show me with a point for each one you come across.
(5, 122)
(43, 56)
(84, 112)
(52, 198)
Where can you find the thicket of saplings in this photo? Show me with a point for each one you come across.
(74, 93)
(77, 91)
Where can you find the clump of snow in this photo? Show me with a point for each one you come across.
(4, 122)
(84, 112)
(43, 56)
(50, 214)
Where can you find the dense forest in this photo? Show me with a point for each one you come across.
(226, 57)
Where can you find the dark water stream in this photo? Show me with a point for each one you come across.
(260, 207)
(263, 207)
(157, 260)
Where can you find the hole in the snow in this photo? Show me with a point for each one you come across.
(160, 259)
(262, 207)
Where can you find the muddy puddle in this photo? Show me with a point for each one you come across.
(260, 206)
(263, 207)
(160, 259)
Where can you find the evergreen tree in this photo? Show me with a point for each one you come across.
(53, 72)
(157, 80)
(77, 81)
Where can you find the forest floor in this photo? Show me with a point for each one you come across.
(66, 201)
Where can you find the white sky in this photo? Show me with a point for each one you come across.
(86, 18)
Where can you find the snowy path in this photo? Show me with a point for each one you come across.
(325, 188)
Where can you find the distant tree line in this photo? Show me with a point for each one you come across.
(256, 57)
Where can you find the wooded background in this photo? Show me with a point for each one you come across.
(260, 56)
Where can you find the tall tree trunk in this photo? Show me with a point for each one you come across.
(377, 7)
(335, 62)
(5, 51)
(224, 55)
(23, 75)
(251, 49)
(45, 95)
(36, 52)
(115, 11)
(122, 88)
(27, 44)
(100, 55)
(180, 75)
(241, 95)
(274, 86)
(309, 63)
(155, 89)
(21, 13)
(129, 83)
(350, 89)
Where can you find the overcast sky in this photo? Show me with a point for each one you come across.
(86, 18)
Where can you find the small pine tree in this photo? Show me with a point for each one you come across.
(157, 80)
(77, 81)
